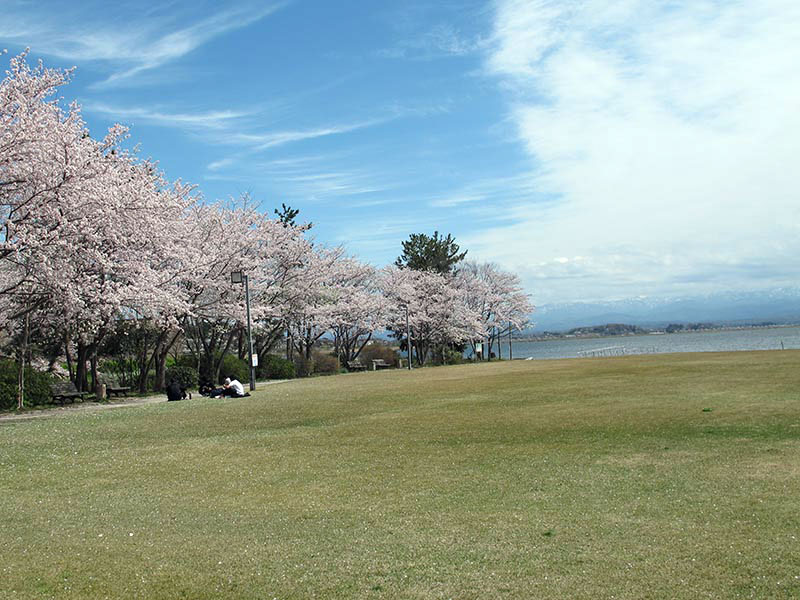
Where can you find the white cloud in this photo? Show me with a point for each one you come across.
(131, 44)
(264, 141)
(440, 41)
(210, 120)
(220, 164)
(668, 132)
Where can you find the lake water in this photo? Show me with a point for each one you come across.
(761, 338)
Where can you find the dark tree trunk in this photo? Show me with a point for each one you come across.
(165, 344)
(23, 348)
(68, 353)
(81, 381)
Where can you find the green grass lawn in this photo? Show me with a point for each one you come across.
(662, 476)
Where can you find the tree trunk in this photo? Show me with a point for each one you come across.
(80, 367)
(93, 362)
(21, 375)
(163, 348)
(68, 353)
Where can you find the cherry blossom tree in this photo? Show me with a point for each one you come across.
(310, 312)
(47, 161)
(118, 260)
(82, 220)
(236, 236)
(438, 314)
(497, 296)
(358, 310)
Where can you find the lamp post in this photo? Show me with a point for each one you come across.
(240, 277)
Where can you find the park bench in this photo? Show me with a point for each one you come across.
(379, 363)
(113, 386)
(61, 391)
(356, 365)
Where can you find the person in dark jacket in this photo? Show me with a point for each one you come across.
(174, 391)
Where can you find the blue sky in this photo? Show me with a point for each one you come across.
(601, 150)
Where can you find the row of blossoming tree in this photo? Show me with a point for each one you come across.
(97, 244)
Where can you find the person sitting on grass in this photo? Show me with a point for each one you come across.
(174, 391)
(233, 388)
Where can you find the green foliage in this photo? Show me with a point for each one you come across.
(275, 367)
(125, 370)
(425, 253)
(375, 351)
(183, 360)
(287, 215)
(454, 357)
(185, 376)
(304, 367)
(325, 364)
(235, 368)
(37, 386)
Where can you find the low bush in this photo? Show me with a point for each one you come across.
(453, 357)
(325, 364)
(37, 386)
(304, 367)
(126, 370)
(235, 368)
(183, 360)
(185, 376)
(275, 367)
(378, 351)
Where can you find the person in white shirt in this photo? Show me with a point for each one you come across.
(233, 388)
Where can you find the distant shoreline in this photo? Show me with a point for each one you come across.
(644, 332)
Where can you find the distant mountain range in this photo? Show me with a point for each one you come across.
(727, 308)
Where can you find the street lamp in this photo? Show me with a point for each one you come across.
(240, 277)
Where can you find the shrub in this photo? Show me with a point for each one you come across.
(325, 364)
(275, 367)
(376, 351)
(37, 386)
(453, 357)
(184, 360)
(235, 368)
(185, 376)
(126, 370)
(304, 367)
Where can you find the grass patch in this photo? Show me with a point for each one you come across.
(662, 476)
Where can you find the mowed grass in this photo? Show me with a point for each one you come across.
(662, 476)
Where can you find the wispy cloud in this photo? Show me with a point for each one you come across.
(220, 164)
(667, 132)
(211, 120)
(131, 45)
(315, 178)
(499, 194)
(440, 41)
(263, 141)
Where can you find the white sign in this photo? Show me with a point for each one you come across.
(255, 360)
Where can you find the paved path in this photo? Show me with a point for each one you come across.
(89, 406)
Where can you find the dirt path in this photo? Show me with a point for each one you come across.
(89, 406)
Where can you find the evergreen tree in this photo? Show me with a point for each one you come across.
(436, 254)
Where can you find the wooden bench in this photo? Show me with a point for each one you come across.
(356, 365)
(379, 363)
(61, 391)
(113, 386)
